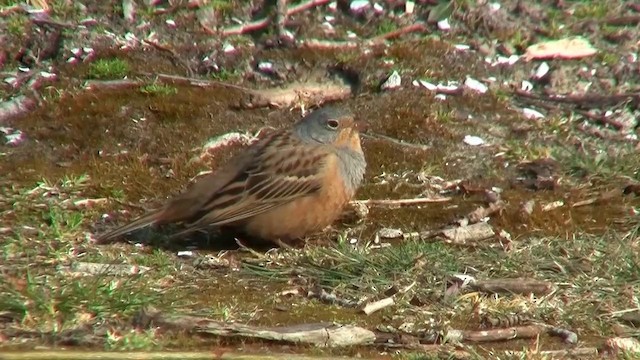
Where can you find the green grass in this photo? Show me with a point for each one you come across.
(108, 69)
(37, 283)
(159, 89)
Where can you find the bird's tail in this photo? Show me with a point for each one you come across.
(139, 223)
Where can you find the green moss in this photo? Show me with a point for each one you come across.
(16, 24)
(108, 69)
(159, 89)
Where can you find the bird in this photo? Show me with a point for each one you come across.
(290, 184)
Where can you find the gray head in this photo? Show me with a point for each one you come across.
(332, 126)
(324, 125)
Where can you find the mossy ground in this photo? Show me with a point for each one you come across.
(138, 146)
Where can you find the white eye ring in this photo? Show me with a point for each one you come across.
(333, 124)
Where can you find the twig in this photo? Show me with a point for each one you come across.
(378, 40)
(623, 20)
(416, 27)
(173, 55)
(470, 234)
(263, 23)
(155, 355)
(400, 202)
(583, 100)
(129, 10)
(305, 6)
(329, 298)
(602, 119)
(281, 17)
(328, 44)
(372, 307)
(516, 332)
(393, 140)
(514, 286)
(112, 84)
(319, 334)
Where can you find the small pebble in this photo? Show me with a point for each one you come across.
(425, 84)
(473, 140)
(409, 6)
(532, 114)
(475, 85)
(228, 48)
(265, 67)
(389, 233)
(393, 81)
(444, 25)
(541, 71)
(526, 86)
(359, 6)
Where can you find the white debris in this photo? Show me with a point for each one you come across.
(409, 6)
(473, 140)
(444, 25)
(228, 48)
(532, 114)
(541, 71)
(47, 75)
(462, 47)
(393, 81)
(389, 233)
(425, 84)
(13, 136)
(359, 6)
(265, 66)
(449, 87)
(526, 86)
(475, 85)
(553, 205)
(502, 60)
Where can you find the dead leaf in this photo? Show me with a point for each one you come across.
(569, 48)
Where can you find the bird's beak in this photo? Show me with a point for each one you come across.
(361, 125)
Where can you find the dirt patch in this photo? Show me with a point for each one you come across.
(109, 138)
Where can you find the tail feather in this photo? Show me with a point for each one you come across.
(139, 223)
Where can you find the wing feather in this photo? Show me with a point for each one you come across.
(271, 179)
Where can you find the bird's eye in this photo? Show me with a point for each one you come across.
(332, 124)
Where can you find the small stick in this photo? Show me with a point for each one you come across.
(111, 84)
(400, 202)
(378, 40)
(372, 307)
(174, 56)
(281, 16)
(516, 332)
(416, 27)
(263, 23)
(395, 141)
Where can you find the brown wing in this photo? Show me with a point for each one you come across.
(279, 172)
(184, 206)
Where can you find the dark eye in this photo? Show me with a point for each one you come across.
(333, 124)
